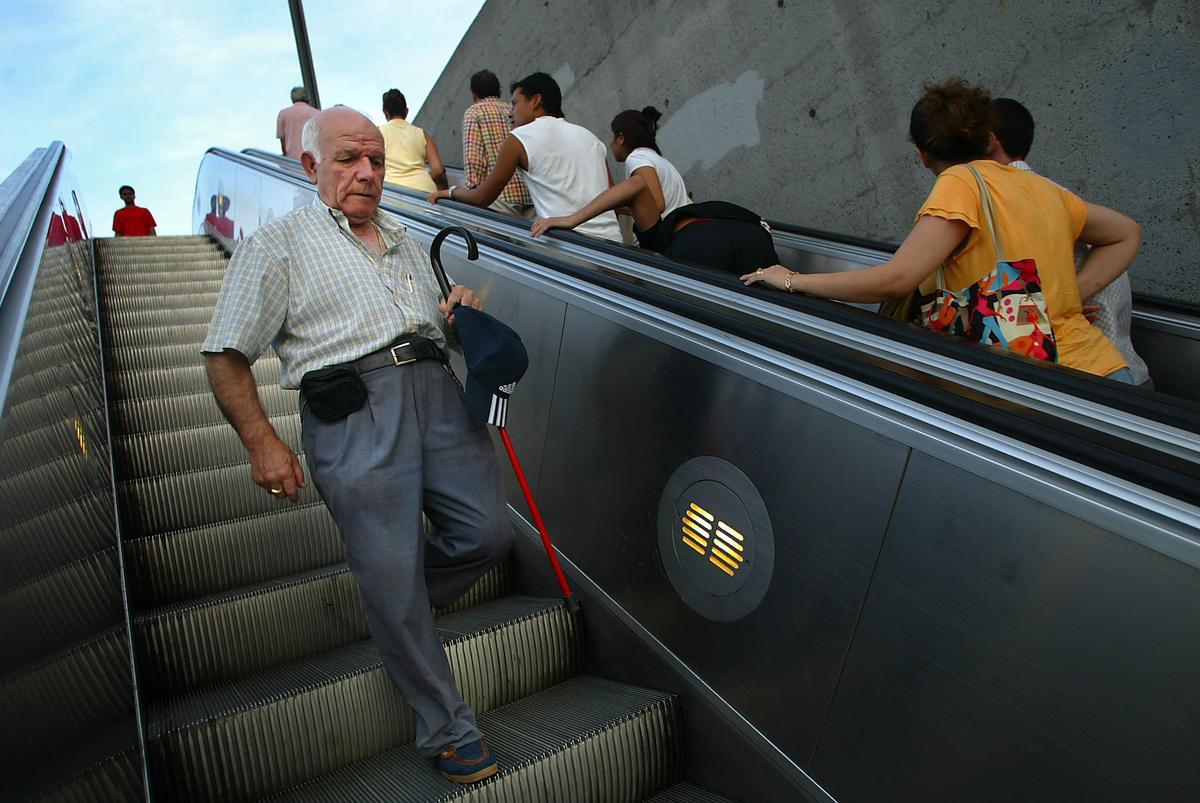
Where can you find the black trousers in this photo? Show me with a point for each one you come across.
(737, 246)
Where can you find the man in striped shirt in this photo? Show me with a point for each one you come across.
(340, 284)
(486, 123)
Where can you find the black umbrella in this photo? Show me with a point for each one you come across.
(496, 360)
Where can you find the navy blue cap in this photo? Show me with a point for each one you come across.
(496, 359)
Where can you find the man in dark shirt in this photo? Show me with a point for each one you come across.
(132, 220)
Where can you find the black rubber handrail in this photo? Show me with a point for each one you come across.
(1141, 465)
(1164, 409)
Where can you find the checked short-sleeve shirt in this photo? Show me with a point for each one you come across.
(485, 125)
(305, 285)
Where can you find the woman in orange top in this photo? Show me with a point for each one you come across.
(981, 215)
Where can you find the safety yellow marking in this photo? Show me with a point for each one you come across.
(729, 542)
(725, 559)
(701, 511)
(721, 566)
(81, 437)
(692, 531)
(723, 526)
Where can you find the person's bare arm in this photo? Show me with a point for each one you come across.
(272, 462)
(928, 245)
(282, 147)
(510, 157)
(1114, 239)
(612, 198)
(437, 170)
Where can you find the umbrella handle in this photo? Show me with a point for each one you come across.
(435, 254)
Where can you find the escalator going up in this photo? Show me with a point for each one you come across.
(257, 671)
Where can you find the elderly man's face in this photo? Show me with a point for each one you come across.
(349, 176)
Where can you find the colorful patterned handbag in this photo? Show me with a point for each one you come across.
(1006, 307)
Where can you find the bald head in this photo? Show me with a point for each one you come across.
(343, 155)
(334, 119)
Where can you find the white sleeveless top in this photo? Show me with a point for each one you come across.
(674, 192)
(567, 170)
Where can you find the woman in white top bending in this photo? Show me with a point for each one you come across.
(652, 190)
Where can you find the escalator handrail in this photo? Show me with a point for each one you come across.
(24, 227)
(1113, 455)
(1167, 410)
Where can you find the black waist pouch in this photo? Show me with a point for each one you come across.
(334, 392)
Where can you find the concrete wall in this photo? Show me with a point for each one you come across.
(800, 110)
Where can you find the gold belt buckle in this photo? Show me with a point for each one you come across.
(396, 359)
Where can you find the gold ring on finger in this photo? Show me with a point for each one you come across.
(277, 491)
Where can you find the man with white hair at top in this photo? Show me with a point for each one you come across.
(351, 306)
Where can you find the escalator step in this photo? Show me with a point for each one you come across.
(213, 639)
(175, 566)
(203, 641)
(587, 740)
(206, 299)
(192, 334)
(198, 498)
(172, 355)
(266, 732)
(152, 453)
(144, 383)
(64, 698)
(688, 793)
(104, 766)
(158, 317)
(193, 410)
(58, 609)
(68, 531)
(165, 288)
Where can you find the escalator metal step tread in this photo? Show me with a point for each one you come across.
(105, 766)
(64, 698)
(185, 564)
(171, 355)
(67, 532)
(57, 609)
(155, 453)
(164, 288)
(197, 299)
(263, 733)
(134, 270)
(27, 449)
(157, 382)
(192, 410)
(167, 334)
(210, 640)
(587, 740)
(152, 318)
(147, 276)
(153, 505)
(685, 792)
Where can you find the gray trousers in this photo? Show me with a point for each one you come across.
(411, 448)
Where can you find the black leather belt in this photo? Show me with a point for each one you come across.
(402, 351)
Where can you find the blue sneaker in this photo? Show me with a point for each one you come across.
(467, 764)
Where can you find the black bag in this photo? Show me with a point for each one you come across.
(334, 392)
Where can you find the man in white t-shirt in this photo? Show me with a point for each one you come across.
(564, 165)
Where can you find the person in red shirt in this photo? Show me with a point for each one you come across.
(133, 220)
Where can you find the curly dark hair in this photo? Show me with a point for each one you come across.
(952, 120)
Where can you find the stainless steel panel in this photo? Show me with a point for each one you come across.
(67, 691)
(627, 411)
(1173, 355)
(1009, 651)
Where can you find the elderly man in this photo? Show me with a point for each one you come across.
(349, 302)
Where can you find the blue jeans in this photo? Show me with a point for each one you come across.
(1121, 375)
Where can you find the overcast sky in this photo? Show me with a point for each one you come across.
(139, 92)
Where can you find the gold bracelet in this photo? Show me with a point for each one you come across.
(787, 281)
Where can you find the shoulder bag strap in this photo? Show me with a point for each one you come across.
(986, 198)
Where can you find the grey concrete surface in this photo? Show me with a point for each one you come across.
(799, 110)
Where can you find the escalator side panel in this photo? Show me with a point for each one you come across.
(628, 410)
(1009, 651)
